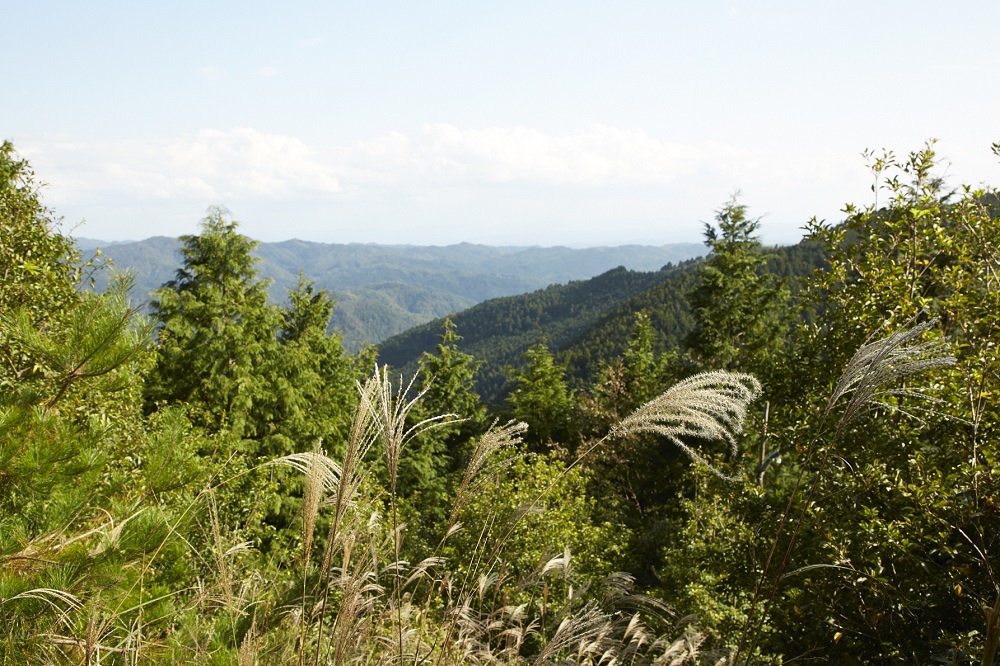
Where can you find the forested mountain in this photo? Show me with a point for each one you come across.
(585, 323)
(665, 303)
(382, 290)
(499, 331)
(744, 471)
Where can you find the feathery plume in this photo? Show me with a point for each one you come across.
(877, 364)
(495, 439)
(390, 409)
(710, 405)
(322, 476)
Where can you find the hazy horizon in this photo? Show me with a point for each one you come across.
(90, 241)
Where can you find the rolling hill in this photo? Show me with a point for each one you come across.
(585, 323)
(382, 290)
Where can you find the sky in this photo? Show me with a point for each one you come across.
(505, 123)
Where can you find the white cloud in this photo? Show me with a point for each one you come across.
(268, 72)
(622, 183)
(246, 163)
(599, 184)
(597, 155)
(210, 164)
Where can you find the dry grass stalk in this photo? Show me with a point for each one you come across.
(365, 430)
(218, 550)
(391, 409)
(488, 621)
(247, 653)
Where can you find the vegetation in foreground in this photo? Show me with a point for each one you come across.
(223, 484)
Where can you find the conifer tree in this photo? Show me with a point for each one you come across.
(216, 329)
(640, 364)
(448, 379)
(739, 308)
(77, 532)
(429, 467)
(311, 394)
(542, 399)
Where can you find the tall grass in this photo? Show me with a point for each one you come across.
(370, 606)
(349, 597)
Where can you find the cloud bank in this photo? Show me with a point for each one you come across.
(437, 179)
(213, 164)
(246, 163)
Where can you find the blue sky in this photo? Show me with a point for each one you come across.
(516, 123)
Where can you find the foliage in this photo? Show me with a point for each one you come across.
(37, 263)
(541, 398)
(240, 491)
(216, 329)
(534, 510)
(908, 549)
(431, 468)
(90, 492)
(309, 378)
(882, 552)
(739, 311)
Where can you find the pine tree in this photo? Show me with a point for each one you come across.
(641, 371)
(448, 379)
(78, 532)
(37, 263)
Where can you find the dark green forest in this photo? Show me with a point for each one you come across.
(771, 455)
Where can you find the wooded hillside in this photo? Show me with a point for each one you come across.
(586, 324)
(805, 470)
(382, 290)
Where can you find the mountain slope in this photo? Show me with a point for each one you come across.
(498, 331)
(667, 308)
(586, 324)
(382, 290)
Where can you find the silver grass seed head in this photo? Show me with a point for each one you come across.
(315, 465)
(389, 409)
(878, 364)
(709, 406)
(480, 468)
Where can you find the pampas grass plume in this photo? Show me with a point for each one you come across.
(709, 406)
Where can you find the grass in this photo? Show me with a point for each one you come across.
(349, 597)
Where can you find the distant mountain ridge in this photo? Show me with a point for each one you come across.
(585, 323)
(382, 290)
